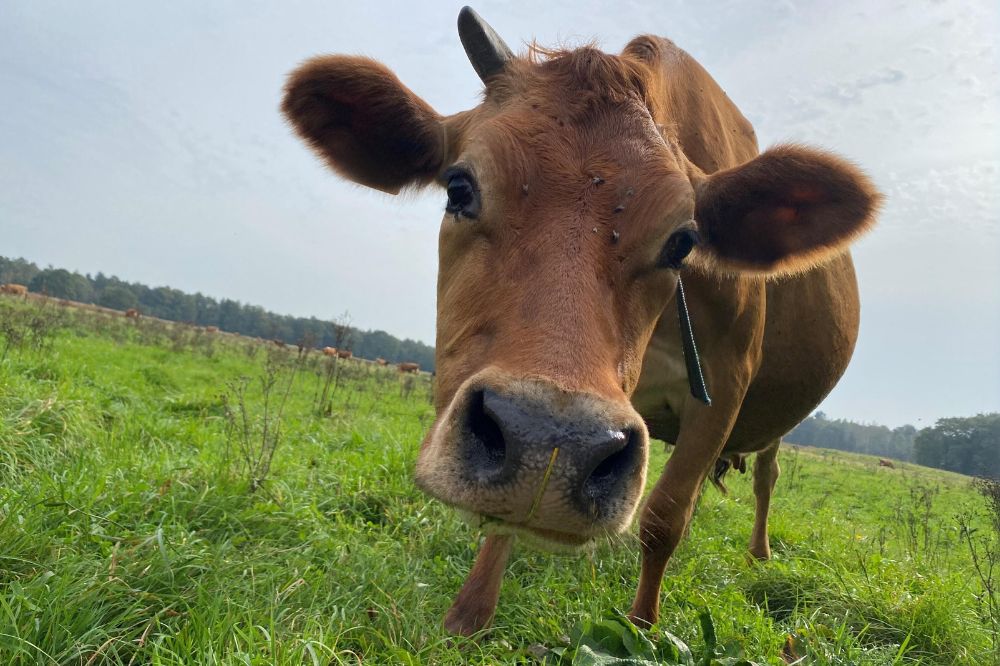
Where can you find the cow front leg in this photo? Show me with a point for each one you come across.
(473, 608)
(765, 475)
(665, 517)
(661, 527)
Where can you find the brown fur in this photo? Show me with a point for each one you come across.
(343, 353)
(14, 289)
(586, 163)
(408, 367)
(739, 208)
(368, 126)
(132, 313)
(329, 351)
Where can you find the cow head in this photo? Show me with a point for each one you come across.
(570, 210)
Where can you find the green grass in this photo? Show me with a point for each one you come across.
(129, 535)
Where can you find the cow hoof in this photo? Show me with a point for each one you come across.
(760, 554)
(467, 621)
(639, 619)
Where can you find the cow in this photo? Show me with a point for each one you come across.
(211, 329)
(329, 351)
(616, 260)
(343, 353)
(14, 289)
(381, 361)
(882, 462)
(132, 313)
(408, 367)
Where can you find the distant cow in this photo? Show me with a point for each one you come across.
(132, 313)
(211, 329)
(329, 351)
(14, 289)
(381, 361)
(343, 353)
(408, 367)
(882, 462)
(280, 344)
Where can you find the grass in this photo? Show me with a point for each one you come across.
(129, 532)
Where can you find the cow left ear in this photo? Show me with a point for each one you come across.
(784, 211)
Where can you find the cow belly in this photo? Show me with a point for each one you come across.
(810, 331)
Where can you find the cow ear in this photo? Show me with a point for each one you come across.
(784, 211)
(364, 122)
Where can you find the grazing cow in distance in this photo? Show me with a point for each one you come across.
(211, 329)
(882, 462)
(329, 351)
(343, 353)
(408, 367)
(132, 313)
(14, 289)
(381, 361)
(587, 195)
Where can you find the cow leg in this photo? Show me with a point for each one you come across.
(765, 475)
(672, 501)
(473, 608)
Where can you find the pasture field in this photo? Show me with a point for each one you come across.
(132, 532)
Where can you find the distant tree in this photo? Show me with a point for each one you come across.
(968, 445)
(18, 271)
(229, 315)
(60, 283)
(872, 439)
(118, 297)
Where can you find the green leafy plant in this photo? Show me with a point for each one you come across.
(615, 641)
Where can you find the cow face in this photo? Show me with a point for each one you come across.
(568, 214)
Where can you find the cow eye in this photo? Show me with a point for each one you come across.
(677, 248)
(463, 197)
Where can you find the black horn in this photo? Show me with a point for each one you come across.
(486, 50)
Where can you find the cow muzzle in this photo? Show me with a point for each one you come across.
(529, 457)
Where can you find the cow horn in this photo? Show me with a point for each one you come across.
(487, 52)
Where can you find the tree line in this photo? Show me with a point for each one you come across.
(968, 445)
(201, 310)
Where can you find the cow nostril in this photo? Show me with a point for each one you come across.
(486, 450)
(609, 474)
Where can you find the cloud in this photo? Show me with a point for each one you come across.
(848, 93)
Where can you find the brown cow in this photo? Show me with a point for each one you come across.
(329, 351)
(381, 361)
(132, 313)
(211, 329)
(14, 289)
(408, 367)
(882, 462)
(579, 192)
(343, 353)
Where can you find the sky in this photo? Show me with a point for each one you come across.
(143, 140)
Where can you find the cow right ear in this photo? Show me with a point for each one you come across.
(365, 123)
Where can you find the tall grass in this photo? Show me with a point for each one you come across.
(125, 537)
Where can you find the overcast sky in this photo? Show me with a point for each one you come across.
(144, 140)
